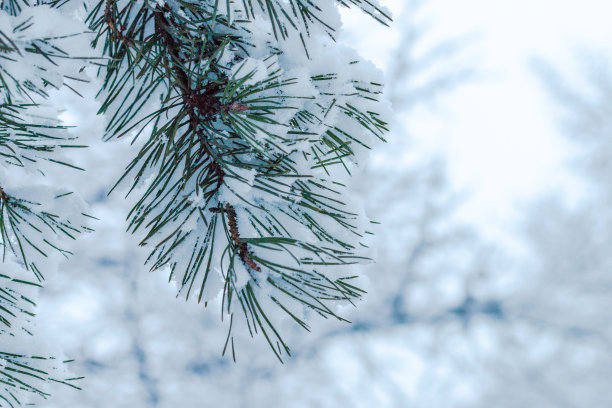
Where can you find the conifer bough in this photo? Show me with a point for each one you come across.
(247, 121)
(250, 117)
(35, 217)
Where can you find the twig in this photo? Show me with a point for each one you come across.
(243, 250)
(115, 33)
(207, 104)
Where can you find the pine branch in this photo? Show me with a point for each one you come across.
(21, 373)
(241, 246)
(207, 103)
(31, 228)
(115, 33)
(14, 305)
(226, 175)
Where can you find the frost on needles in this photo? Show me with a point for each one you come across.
(39, 49)
(248, 121)
(253, 119)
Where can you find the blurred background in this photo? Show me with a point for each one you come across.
(493, 280)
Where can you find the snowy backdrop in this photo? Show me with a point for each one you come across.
(492, 283)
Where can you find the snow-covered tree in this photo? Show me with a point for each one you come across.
(246, 120)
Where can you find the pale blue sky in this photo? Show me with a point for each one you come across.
(499, 132)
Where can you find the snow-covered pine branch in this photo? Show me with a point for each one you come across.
(253, 120)
(39, 47)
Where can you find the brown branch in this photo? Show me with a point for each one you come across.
(216, 168)
(239, 244)
(205, 100)
(236, 106)
(207, 104)
(114, 33)
(3, 195)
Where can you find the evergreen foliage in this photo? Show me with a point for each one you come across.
(32, 221)
(238, 173)
(248, 122)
